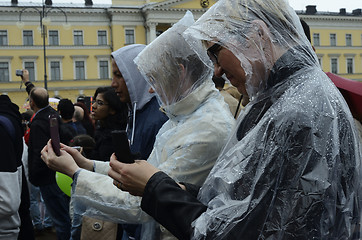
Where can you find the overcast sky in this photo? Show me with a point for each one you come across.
(322, 5)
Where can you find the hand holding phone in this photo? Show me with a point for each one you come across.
(54, 133)
(121, 146)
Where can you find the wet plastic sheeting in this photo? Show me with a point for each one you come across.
(292, 168)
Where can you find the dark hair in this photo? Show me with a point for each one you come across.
(306, 29)
(120, 118)
(40, 100)
(27, 115)
(66, 108)
(86, 142)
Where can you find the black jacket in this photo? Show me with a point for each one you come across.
(171, 206)
(104, 147)
(39, 173)
(10, 159)
(67, 132)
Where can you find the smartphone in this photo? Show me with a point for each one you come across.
(54, 133)
(19, 72)
(121, 146)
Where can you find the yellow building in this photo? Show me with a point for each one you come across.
(79, 39)
(337, 38)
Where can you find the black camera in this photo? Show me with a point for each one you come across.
(19, 72)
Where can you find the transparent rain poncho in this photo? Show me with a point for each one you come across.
(200, 122)
(163, 72)
(186, 146)
(291, 170)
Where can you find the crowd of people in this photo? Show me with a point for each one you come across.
(280, 160)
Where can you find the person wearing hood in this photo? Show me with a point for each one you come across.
(144, 121)
(292, 166)
(186, 146)
(15, 221)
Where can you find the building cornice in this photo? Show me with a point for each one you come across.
(163, 4)
(6, 58)
(103, 56)
(55, 57)
(28, 57)
(335, 55)
(79, 56)
(124, 10)
(349, 55)
(331, 18)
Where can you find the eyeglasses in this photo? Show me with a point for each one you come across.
(99, 102)
(213, 51)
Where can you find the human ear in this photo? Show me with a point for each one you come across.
(182, 67)
(182, 70)
(262, 29)
(264, 34)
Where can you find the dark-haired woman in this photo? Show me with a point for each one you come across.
(110, 114)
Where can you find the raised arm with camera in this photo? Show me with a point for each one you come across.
(24, 74)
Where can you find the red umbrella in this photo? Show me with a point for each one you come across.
(351, 91)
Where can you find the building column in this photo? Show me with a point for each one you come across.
(151, 31)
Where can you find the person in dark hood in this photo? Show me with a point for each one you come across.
(15, 221)
(145, 119)
(291, 169)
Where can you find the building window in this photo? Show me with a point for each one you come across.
(349, 40)
(28, 38)
(4, 72)
(332, 38)
(3, 38)
(53, 38)
(30, 66)
(103, 70)
(55, 70)
(334, 65)
(350, 65)
(79, 70)
(78, 37)
(316, 40)
(102, 37)
(130, 36)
